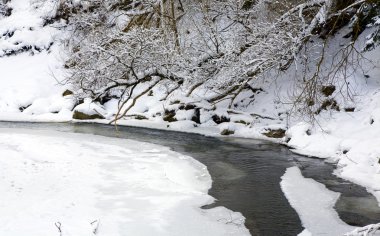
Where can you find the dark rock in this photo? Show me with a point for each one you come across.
(241, 122)
(330, 103)
(175, 102)
(345, 151)
(220, 119)
(140, 117)
(328, 90)
(67, 93)
(169, 116)
(105, 98)
(247, 4)
(187, 107)
(83, 116)
(310, 103)
(227, 132)
(197, 116)
(349, 109)
(275, 133)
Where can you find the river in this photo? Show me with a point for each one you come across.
(246, 174)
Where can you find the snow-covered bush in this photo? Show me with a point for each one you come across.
(224, 46)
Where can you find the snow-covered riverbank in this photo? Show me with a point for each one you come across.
(131, 188)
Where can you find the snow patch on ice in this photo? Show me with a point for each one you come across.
(314, 203)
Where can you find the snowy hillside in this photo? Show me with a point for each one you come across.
(30, 63)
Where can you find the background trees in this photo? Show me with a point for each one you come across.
(224, 46)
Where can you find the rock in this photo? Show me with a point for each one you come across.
(187, 107)
(106, 98)
(329, 103)
(275, 133)
(175, 102)
(349, 109)
(140, 117)
(227, 132)
(310, 103)
(197, 116)
(220, 119)
(137, 117)
(242, 122)
(67, 93)
(83, 116)
(169, 116)
(328, 90)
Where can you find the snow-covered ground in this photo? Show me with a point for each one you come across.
(52, 179)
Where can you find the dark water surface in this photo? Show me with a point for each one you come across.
(246, 175)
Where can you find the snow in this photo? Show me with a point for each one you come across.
(128, 187)
(32, 75)
(90, 108)
(348, 139)
(314, 204)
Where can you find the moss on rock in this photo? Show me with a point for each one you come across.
(83, 116)
(67, 93)
(275, 133)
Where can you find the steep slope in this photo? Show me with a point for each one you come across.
(30, 62)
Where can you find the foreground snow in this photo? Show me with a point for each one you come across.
(314, 204)
(68, 181)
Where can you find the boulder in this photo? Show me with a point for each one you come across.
(227, 132)
(67, 93)
(275, 133)
(83, 116)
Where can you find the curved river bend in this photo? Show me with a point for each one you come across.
(246, 175)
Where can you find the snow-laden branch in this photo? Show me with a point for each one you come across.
(365, 231)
